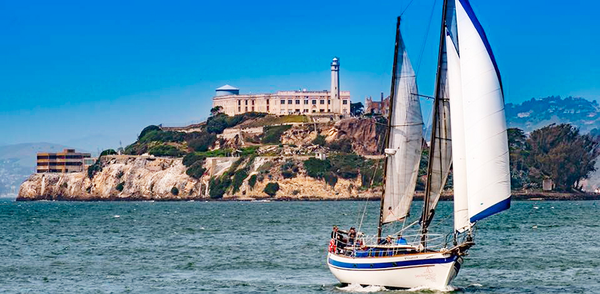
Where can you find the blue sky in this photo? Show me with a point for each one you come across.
(93, 73)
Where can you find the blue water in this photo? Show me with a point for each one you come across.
(244, 247)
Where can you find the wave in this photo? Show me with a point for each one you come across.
(357, 288)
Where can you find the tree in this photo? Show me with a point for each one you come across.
(319, 140)
(147, 130)
(518, 152)
(357, 109)
(202, 142)
(561, 153)
(108, 152)
(215, 110)
(271, 189)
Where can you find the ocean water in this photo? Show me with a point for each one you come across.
(251, 247)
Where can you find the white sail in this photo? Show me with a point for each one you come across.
(441, 145)
(403, 152)
(487, 158)
(459, 166)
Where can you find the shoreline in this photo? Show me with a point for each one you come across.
(516, 196)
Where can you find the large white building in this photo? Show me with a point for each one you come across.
(287, 102)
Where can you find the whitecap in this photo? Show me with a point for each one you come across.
(436, 289)
(116, 216)
(357, 288)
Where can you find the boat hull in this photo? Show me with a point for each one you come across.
(427, 270)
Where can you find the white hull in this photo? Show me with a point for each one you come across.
(428, 270)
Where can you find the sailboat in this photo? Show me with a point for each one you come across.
(472, 142)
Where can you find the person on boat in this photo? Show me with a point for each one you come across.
(351, 236)
(401, 241)
(336, 235)
(386, 241)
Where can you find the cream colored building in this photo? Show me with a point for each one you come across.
(287, 102)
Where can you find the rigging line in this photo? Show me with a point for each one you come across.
(426, 35)
(406, 8)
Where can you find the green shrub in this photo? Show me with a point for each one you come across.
(120, 186)
(191, 158)
(319, 140)
(202, 142)
(147, 130)
(175, 191)
(288, 174)
(248, 151)
(271, 189)
(347, 166)
(93, 169)
(108, 152)
(216, 153)
(368, 173)
(316, 168)
(272, 134)
(343, 145)
(331, 179)
(218, 187)
(136, 149)
(234, 166)
(289, 169)
(252, 181)
(166, 150)
(196, 170)
(220, 121)
(162, 136)
(238, 179)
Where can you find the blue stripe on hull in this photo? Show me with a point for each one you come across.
(390, 265)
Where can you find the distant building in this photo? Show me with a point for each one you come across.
(67, 161)
(287, 102)
(377, 107)
(547, 185)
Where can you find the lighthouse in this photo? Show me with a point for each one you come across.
(335, 86)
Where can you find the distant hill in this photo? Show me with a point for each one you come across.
(17, 162)
(536, 113)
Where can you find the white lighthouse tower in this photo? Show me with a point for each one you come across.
(335, 86)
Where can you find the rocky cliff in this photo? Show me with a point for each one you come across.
(146, 177)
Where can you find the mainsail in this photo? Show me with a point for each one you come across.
(481, 159)
(403, 150)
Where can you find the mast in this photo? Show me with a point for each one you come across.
(389, 126)
(436, 104)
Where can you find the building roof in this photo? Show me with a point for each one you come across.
(227, 88)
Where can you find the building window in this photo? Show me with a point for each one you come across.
(314, 110)
(290, 102)
(239, 102)
(328, 101)
(345, 102)
(305, 102)
(282, 102)
(305, 110)
(239, 109)
(322, 102)
(267, 101)
(252, 107)
(297, 101)
(321, 110)
(314, 102)
(246, 108)
(267, 106)
(246, 102)
(252, 102)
